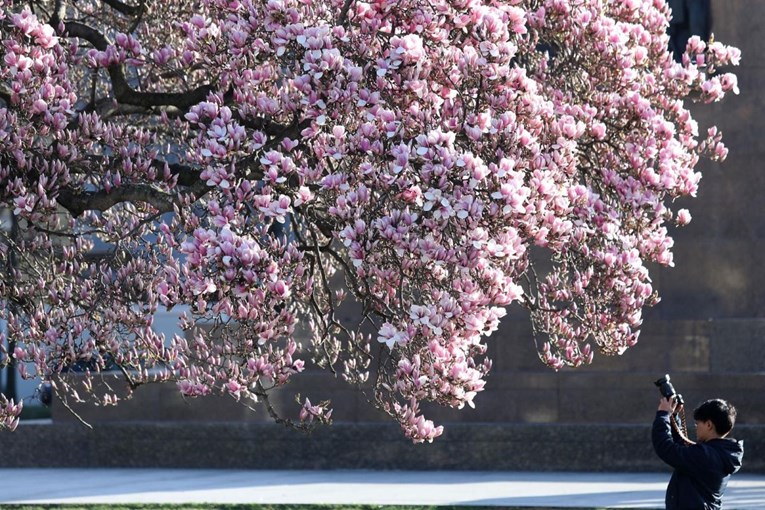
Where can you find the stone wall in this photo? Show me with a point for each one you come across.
(486, 447)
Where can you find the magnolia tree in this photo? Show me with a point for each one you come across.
(256, 163)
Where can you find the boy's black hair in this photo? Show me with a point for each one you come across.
(719, 412)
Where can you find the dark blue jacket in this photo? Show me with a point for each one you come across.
(701, 471)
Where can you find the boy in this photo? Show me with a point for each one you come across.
(702, 469)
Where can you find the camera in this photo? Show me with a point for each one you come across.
(667, 390)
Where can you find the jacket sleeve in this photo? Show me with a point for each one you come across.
(676, 454)
(675, 435)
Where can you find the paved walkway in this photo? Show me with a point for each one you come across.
(571, 490)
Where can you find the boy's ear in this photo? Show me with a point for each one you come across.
(710, 426)
(706, 427)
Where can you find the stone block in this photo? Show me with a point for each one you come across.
(689, 353)
(601, 397)
(661, 344)
(521, 397)
(734, 22)
(736, 346)
(512, 345)
(729, 202)
(728, 206)
(173, 406)
(711, 279)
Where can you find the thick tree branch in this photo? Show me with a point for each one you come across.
(77, 202)
(187, 176)
(123, 93)
(128, 10)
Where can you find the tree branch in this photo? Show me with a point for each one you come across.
(123, 93)
(77, 202)
(79, 418)
(343, 17)
(127, 10)
(187, 176)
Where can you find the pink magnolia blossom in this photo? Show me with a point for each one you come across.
(9, 412)
(683, 217)
(255, 164)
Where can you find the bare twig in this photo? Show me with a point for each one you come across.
(74, 413)
(261, 392)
